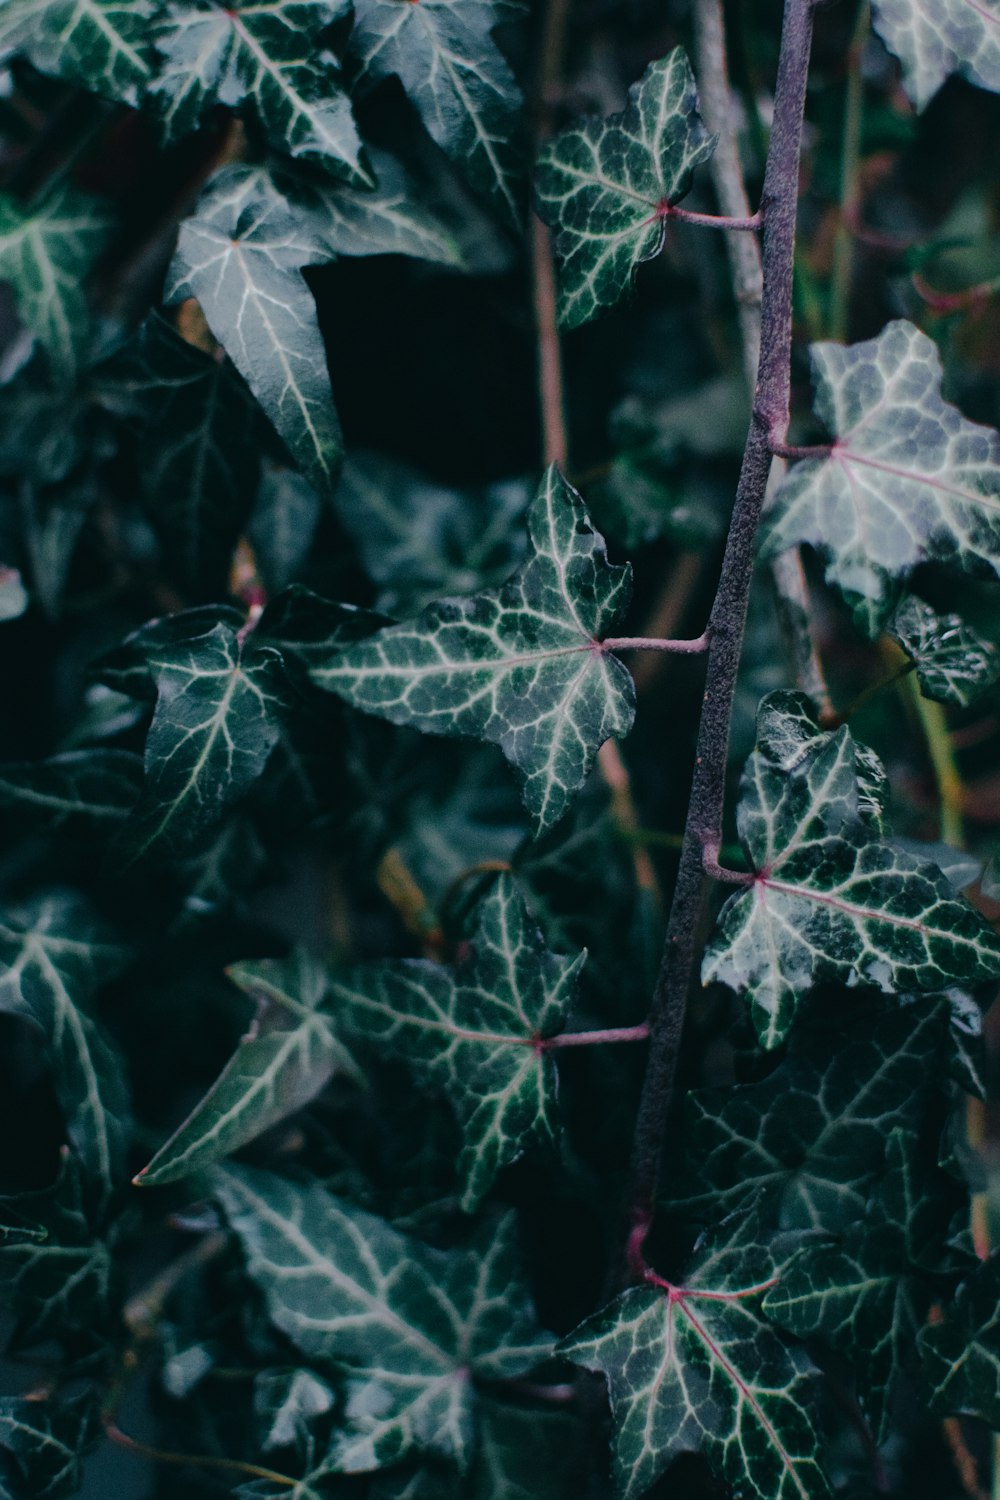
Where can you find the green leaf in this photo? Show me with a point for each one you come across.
(829, 899)
(696, 1369)
(265, 55)
(392, 218)
(82, 795)
(444, 55)
(520, 666)
(104, 45)
(415, 1328)
(868, 1297)
(809, 1141)
(960, 1355)
(285, 1403)
(934, 38)
(241, 255)
(907, 480)
(290, 1052)
(55, 953)
(46, 253)
(419, 540)
(42, 1443)
(954, 664)
(286, 512)
(606, 186)
(220, 702)
(476, 1031)
(199, 463)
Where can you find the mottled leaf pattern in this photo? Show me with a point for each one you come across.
(830, 899)
(953, 663)
(933, 38)
(605, 186)
(475, 1031)
(264, 55)
(907, 479)
(960, 1352)
(695, 1368)
(521, 666)
(103, 45)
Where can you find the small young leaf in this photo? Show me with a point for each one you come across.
(102, 45)
(606, 186)
(290, 1052)
(954, 664)
(695, 1368)
(444, 55)
(414, 1327)
(42, 1443)
(264, 54)
(907, 479)
(830, 900)
(933, 38)
(46, 252)
(476, 1030)
(960, 1354)
(520, 666)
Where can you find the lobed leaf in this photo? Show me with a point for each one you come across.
(960, 1353)
(954, 664)
(934, 38)
(42, 1443)
(103, 45)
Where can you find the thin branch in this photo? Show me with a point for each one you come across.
(737, 224)
(196, 1460)
(652, 643)
(638, 1033)
(728, 616)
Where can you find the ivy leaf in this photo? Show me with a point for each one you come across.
(933, 40)
(830, 900)
(285, 1402)
(662, 1348)
(954, 664)
(477, 1031)
(199, 452)
(960, 1354)
(221, 698)
(606, 186)
(42, 1443)
(414, 1327)
(82, 795)
(264, 54)
(241, 255)
(290, 1052)
(907, 479)
(809, 1141)
(102, 45)
(390, 218)
(54, 955)
(869, 1296)
(285, 515)
(443, 54)
(520, 666)
(46, 252)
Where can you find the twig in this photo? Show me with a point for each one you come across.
(728, 617)
(843, 244)
(198, 1460)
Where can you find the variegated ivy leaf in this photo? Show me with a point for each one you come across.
(521, 666)
(809, 1141)
(263, 54)
(934, 38)
(289, 1053)
(285, 1402)
(907, 479)
(55, 953)
(46, 253)
(415, 1329)
(241, 255)
(419, 540)
(868, 1297)
(199, 465)
(103, 45)
(83, 795)
(829, 898)
(960, 1354)
(444, 55)
(45, 1440)
(695, 1368)
(606, 186)
(954, 664)
(477, 1031)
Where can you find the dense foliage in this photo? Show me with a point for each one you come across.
(372, 725)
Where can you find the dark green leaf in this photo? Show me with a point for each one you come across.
(934, 38)
(42, 1443)
(104, 45)
(960, 1354)
(290, 1052)
(476, 1031)
(907, 480)
(695, 1368)
(520, 666)
(285, 515)
(85, 794)
(954, 664)
(606, 186)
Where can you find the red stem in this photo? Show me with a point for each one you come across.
(592, 1038)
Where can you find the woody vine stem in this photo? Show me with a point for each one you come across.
(768, 429)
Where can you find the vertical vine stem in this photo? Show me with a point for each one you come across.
(769, 421)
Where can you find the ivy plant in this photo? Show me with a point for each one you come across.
(498, 911)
